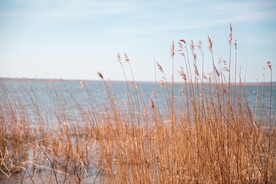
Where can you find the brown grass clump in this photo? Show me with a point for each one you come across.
(208, 135)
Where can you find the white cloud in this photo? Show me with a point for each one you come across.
(62, 9)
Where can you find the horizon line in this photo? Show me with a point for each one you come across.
(139, 81)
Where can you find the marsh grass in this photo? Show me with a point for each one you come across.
(214, 137)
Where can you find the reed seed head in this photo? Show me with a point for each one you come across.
(180, 45)
(126, 58)
(196, 70)
(199, 46)
(216, 71)
(183, 41)
(133, 84)
(268, 63)
(210, 43)
(159, 67)
(151, 104)
(192, 46)
(230, 35)
(172, 49)
(182, 74)
(100, 75)
(83, 85)
(119, 58)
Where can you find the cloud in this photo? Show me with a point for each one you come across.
(62, 9)
(149, 17)
(197, 23)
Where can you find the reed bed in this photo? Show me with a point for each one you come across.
(214, 137)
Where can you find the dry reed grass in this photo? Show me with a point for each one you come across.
(213, 138)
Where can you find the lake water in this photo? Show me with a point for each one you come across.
(67, 96)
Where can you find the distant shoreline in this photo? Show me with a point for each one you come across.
(177, 82)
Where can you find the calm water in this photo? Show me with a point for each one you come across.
(52, 97)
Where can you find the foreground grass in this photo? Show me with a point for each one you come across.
(214, 137)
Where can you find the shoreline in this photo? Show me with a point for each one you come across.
(152, 82)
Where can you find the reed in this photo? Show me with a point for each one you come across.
(208, 135)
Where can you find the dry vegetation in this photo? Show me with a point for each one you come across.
(213, 138)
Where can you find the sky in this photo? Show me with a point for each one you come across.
(73, 39)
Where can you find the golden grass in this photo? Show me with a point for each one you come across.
(213, 138)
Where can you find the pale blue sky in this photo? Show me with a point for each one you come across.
(73, 39)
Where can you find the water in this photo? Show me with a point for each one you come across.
(53, 98)
(61, 101)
